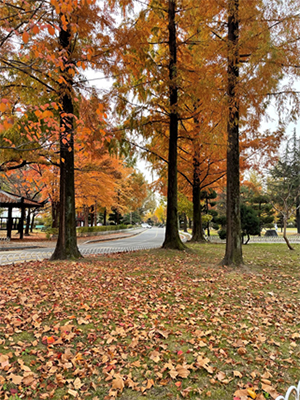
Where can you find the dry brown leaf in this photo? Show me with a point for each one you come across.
(150, 383)
(242, 351)
(82, 321)
(269, 389)
(155, 356)
(163, 333)
(237, 374)
(3, 358)
(130, 383)
(73, 392)
(44, 396)
(134, 343)
(295, 335)
(77, 383)
(186, 392)
(221, 376)
(183, 372)
(28, 380)
(266, 375)
(169, 365)
(266, 381)
(136, 363)
(16, 379)
(118, 383)
(241, 393)
(173, 373)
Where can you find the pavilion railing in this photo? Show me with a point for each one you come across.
(293, 393)
(4, 222)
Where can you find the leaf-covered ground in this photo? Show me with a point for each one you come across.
(155, 325)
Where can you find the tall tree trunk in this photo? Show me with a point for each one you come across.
(172, 238)
(104, 216)
(54, 211)
(66, 246)
(91, 215)
(197, 235)
(298, 214)
(197, 221)
(284, 234)
(233, 253)
(95, 213)
(86, 215)
(118, 215)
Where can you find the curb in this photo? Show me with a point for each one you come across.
(114, 238)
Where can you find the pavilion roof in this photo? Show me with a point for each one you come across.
(10, 199)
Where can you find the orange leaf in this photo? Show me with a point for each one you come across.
(35, 29)
(51, 30)
(25, 37)
(2, 107)
(50, 339)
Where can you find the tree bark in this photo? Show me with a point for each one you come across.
(91, 215)
(86, 215)
(66, 246)
(233, 253)
(197, 235)
(172, 238)
(95, 214)
(55, 211)
(298, 214)
(284, 234)
(104, 216)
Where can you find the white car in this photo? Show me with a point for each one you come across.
(144, 225)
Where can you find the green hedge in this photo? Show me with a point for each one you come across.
(85, 229)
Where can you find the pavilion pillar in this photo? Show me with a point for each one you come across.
(22, 218)
(9, 222)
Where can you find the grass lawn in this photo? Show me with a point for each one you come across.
(154, 324)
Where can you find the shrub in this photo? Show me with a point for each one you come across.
(104, 228)
(215, 226)
(51, 231)
(222, 234)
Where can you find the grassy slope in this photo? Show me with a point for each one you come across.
(159, 324)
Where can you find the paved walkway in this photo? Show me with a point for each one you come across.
(33, 242)
(262, 239)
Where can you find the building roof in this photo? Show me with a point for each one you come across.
(8, 199)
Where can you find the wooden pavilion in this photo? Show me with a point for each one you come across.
(10, 201)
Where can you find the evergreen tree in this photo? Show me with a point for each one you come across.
(250, 222)
(284, 190)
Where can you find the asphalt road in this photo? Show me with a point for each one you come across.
(153, 237)
(149, 238)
